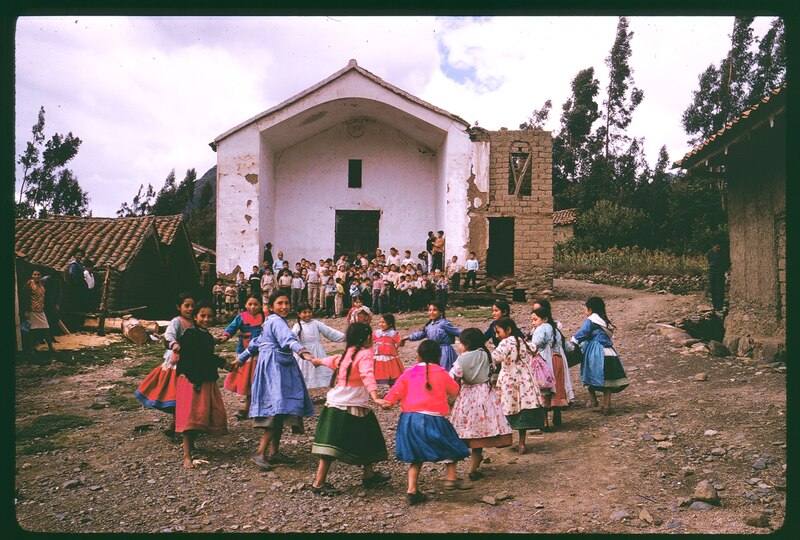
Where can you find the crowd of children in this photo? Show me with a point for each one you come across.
(276, 365)
(384, 284)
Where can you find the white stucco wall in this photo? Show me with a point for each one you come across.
(311, 184)
(238, 209)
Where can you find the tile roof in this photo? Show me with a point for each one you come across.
(107, 241)
(564, 217)
(696, 155)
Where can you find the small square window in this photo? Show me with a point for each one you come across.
(354, 173)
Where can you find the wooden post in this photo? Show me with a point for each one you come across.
(103, 300)
(16, 310)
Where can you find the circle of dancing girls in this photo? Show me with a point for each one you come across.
(157, 390)
(279, 394)
(441, 331)
(347, 428)
(248, 323)
(308, 331)
(386, 340)
(520, 396)
(547, 342)
(601, 370)
(198, 404)
(477, 415)
(423, 433)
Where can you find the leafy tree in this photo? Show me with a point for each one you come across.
(608, 224)
(47, 186)
(770, 63)
(175, 198)
(142, 204)
(538, 118)
(622, 96)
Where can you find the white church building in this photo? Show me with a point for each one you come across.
(354, 163)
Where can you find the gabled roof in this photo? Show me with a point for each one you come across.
(111, 242)
(351, 66)
(564, 217)
(773, 103)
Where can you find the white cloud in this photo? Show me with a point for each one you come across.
(147, 94)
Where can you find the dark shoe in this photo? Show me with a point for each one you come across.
(261, 462)
(477, 475)
(169, 433)
(281, 458)
(458, 483)
(326, 490)
(241, 414)
(416, 498)
(375, 480)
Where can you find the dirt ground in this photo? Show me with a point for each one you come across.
(625, 473)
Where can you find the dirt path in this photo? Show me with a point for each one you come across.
(594, 474)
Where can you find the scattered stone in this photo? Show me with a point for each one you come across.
(503, 496)
(700, 505)
(538, 505)
(701, 377)
(95, 488)
(706, 492)
(620, 515)
(760, 520)
(687, 471)
(710, 432)
(759, 464)
(488, 499)
(658, 437)
(71, 484)
(717, 349)
(611, 487)
(664, 445)
(718, 451)
(675, 524)
(647, 437)
(644, 515)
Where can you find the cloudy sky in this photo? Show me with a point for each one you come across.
(147, 94)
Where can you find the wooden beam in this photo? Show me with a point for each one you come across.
(103, 301)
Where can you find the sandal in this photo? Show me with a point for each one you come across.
(458, 483)
(261, 462)
(476, 475)
(241, 414)
(375, 480)
(416, 498)
(326, 489)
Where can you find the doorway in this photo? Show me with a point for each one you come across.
(500, 254)
(356, 231)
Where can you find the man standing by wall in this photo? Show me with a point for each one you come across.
(438, 252)
(718, 264)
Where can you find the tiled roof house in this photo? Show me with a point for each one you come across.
(150, 258)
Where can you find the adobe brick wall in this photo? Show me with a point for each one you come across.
(533, 214)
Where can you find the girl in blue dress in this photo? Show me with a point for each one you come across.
(441, 331)
(601, 370)
(279, 394)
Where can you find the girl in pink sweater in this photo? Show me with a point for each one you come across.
(348, 429)
(423, 432)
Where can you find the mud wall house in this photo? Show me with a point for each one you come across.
(563, 225)
(354, 163)
(749, 154)
(149, 259)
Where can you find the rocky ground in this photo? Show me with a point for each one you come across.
(697, 444)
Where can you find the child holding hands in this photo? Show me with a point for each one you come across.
(423, 432)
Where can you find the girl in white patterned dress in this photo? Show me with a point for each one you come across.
(477, 415)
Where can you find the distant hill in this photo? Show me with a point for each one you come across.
(210, 177)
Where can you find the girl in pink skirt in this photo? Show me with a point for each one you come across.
(198, 404)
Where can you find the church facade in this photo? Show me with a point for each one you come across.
(354, 163)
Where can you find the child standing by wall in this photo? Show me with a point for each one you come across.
(157, 390)
(230, 297)
(248, 324)
(477, 415)
(348, 429)
(218, 293)
(441, 287)
(267, 284)
(199, 406)
(242, 286)
(423, 432)
(471, 266)
(338, 300)
(308, 331)
(297, 289)
(601, 370)
(386, 339)
(378, 289)
(330, 297)
(441, 331)
(285, 283)
(520, 396)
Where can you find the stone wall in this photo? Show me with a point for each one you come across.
(562, 233)
(533, 214)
